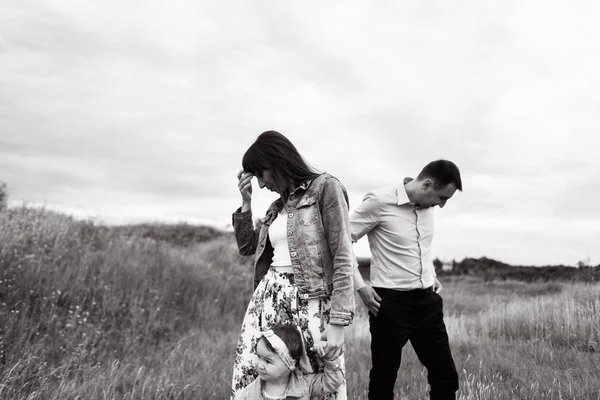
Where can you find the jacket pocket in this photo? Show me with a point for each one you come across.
(307, 211)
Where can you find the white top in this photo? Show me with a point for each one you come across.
(278, 237)
(400, 237)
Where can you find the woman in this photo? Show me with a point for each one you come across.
(303, 266)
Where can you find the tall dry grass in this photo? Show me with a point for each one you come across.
(89, 313)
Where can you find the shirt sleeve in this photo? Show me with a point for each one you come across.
(365, 217)
(359, 282)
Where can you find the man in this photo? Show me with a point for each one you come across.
(403, 299)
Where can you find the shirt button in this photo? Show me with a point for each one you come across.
(293, 254)
(305, 296)
(290, 215)
(289, 233)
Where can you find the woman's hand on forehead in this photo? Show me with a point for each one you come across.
(243, 174)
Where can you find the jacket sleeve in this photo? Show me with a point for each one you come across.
(328, 381)
(334, 214)
(245, 234)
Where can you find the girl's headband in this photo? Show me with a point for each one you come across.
(280, 348)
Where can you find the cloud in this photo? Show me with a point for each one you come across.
(142, 109)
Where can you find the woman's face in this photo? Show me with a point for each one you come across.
(266, 180)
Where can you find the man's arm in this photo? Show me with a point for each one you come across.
(437, 285)
(362, 220)
(365, 217)
(359, 282)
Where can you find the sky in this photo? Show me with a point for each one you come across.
(128, 111)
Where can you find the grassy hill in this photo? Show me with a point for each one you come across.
(181, 234)
(81, 304)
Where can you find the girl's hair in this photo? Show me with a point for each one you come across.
(274, 152)
(290, 335)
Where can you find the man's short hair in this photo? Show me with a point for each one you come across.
(443, 173)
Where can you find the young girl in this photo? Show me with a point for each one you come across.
(279, 351)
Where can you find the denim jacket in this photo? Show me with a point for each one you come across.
(318, 239)
(301, 387)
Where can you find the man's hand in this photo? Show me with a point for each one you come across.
(370, 298)
(437, 286)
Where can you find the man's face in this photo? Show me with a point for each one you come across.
(431, 196)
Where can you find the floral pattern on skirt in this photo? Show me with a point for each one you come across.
(276, 301)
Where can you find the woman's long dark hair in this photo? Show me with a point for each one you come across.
(275, 152)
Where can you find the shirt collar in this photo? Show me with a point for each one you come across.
(401, 193)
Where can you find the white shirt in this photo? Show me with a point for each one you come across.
(400, 238)
(278, 238)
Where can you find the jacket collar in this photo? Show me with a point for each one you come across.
(277, 205)
(294, 388)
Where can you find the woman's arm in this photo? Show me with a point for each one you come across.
(245, 234)
(336, 223)
(362, 220)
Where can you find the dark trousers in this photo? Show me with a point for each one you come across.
(415, 315)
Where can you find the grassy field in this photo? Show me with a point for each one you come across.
(90, 312)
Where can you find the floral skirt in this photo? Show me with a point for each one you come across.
(276, 301)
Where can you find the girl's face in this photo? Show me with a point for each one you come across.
(265, 179)
(269, 366)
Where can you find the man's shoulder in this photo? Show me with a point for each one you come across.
(387, 194)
